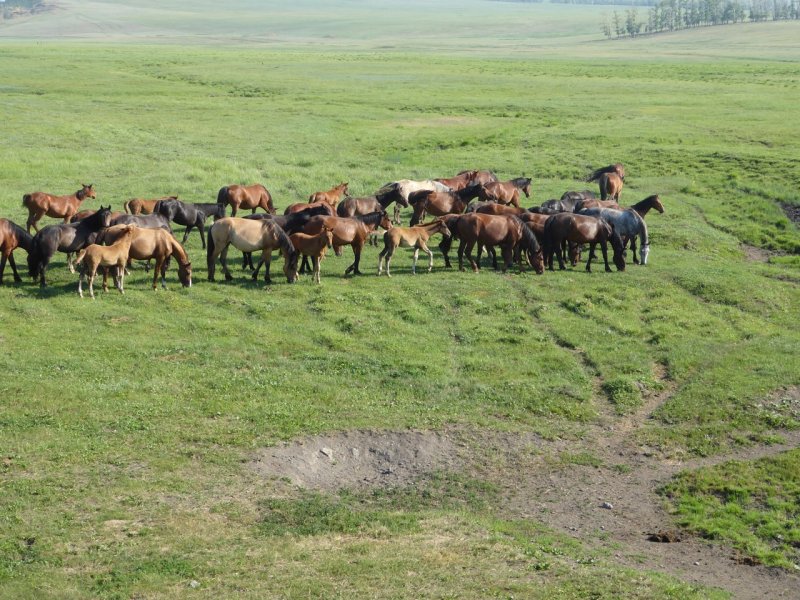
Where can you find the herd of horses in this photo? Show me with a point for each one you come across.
(472, 207)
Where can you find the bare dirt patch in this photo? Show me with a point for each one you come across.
(756, 254)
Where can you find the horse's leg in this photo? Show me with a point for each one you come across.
(91, 284)
(424, 247)
(159, 264)
(304, 266)
(507, 253)
(223, 260)
(33, 219)
(414, 264)
(13, 264)
(105, 279)
(186, 234)
(604, 248)
(380, 261)
(473, 264)
(560, 252)
(461, 246)
(389, 257)
(3, 267)
(358, 246)
(315, 262)
(80, 281)
(202, 228)
(121, 277)
(266, 258)
(633, 249)
(591, 256)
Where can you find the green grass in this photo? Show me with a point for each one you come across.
(124, 422)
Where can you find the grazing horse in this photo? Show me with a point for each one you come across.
(610, 186)
(40, 204)
(95, 255)
(190, 215)
(566, 203)
(594, 203)
(140, 206)
(616, 168)
(581, 229)
(629, 224)
(411, 237)
(460, 181)
(12, 236)
(439, 204)
(648, 203)
(64, 237)
(246, 196)
(301, 206)
(350, 232)
(150, 244)
(506, 192)
(506, 231)
(249, 235)
(313, 246)
(332, 196)
(403, 188)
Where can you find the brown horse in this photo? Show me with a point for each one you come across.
(95, 255)
(313, 246)
(349, 232)
(460, 181)
(148, 244)
(411, 237)
(616, 168)
(648, 203)
(506, 192)
(594, 203)
(83, 214)
(581, 230)
(249, 235)
(141, 206)
(40, 204)
(439, 204)
(301, 206)
(332, 196)
(12, 236)
(493, 208)
(610, 186)
(506, 231)
(246, 196)
(482, 177)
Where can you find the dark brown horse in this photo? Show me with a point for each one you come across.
(506, 192)
(594, 203)
(581, 230)
(332, 196)
(40, 204)
(648, 203)
(506, 231)
(439, 204)
(460, 181)
(246, 197)
(610, 186)
(349, 232)
(12, 236)
(391, 192)
(616, 168)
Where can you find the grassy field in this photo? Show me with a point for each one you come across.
(126, 424)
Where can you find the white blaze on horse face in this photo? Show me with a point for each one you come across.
(645, 251)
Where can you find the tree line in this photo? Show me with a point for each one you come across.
(671, 15)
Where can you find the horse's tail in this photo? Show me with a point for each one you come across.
(222, 195)
(26, 200)
(210, 248)
(126, 207)
(80, 257)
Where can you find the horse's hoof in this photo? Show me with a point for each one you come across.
(608, 270)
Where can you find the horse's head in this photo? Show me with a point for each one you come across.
(290, 265)
(185, 274)
(385, 222)
(86, 191)
(527, 188)
(620, 170)
(619, 249)
(574, 251)
(103, 216)
(219, 212)
(441, 227)
(656, 201)
(343, 188)
(537, 260)
(644, 252)
(328, 232)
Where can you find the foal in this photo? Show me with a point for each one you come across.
(313, 246)
(95, 256)
(411, 237)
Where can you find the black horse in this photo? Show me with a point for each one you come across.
(567, 202)
(190, 215)
(65, 237)
(152, 221)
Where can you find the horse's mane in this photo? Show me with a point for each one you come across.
(372, 218)
(23, 237)
(521, 181)
(595, 175)
(80, 194)
(528, 237)
(388, 188)
(646, 202)
(283, 239)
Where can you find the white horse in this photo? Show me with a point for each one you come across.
(628, 224)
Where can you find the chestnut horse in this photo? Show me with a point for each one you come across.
(301, 206)
(506, 231)
(95, 255)
(150, 244)
(249, 235)
(313, 246)
(616, 168)
(439, 204)
(610, 186)
(332, 196)
(460, 181)
(581, 229)
(12, 236)
(482, 177)
(246, 196)
(594, 203)
(140, 206)
(40, 204)
(506, 192)
(350, 232)
(411, 237)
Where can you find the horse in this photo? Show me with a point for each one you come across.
(566, 203)
(246, 196)
(150, 244)
(616, 168)
(140, 206)
(64, 237)
(350, 231)
(40, 204)
(190, 215)
(581, 229)
(151, 221)
(313, 246)
(493, 208)
(482, 177)
(249, 235)
(506, 192)
(410, 237)
(506, 231)
(643, 207)
(460, 181)
(12, 236)
(594, 203)
(610, 186)
(439, 204)
(402, 189)
(82, 214)
(451, 221)
(301, 206)
(629, 224)
(95, 255)
(332, 196)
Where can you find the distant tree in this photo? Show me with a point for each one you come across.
(618, 29)
(606, 28)
(632, 26)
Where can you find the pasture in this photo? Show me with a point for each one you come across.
(138, 433)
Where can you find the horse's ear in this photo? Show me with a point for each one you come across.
(90, 185)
